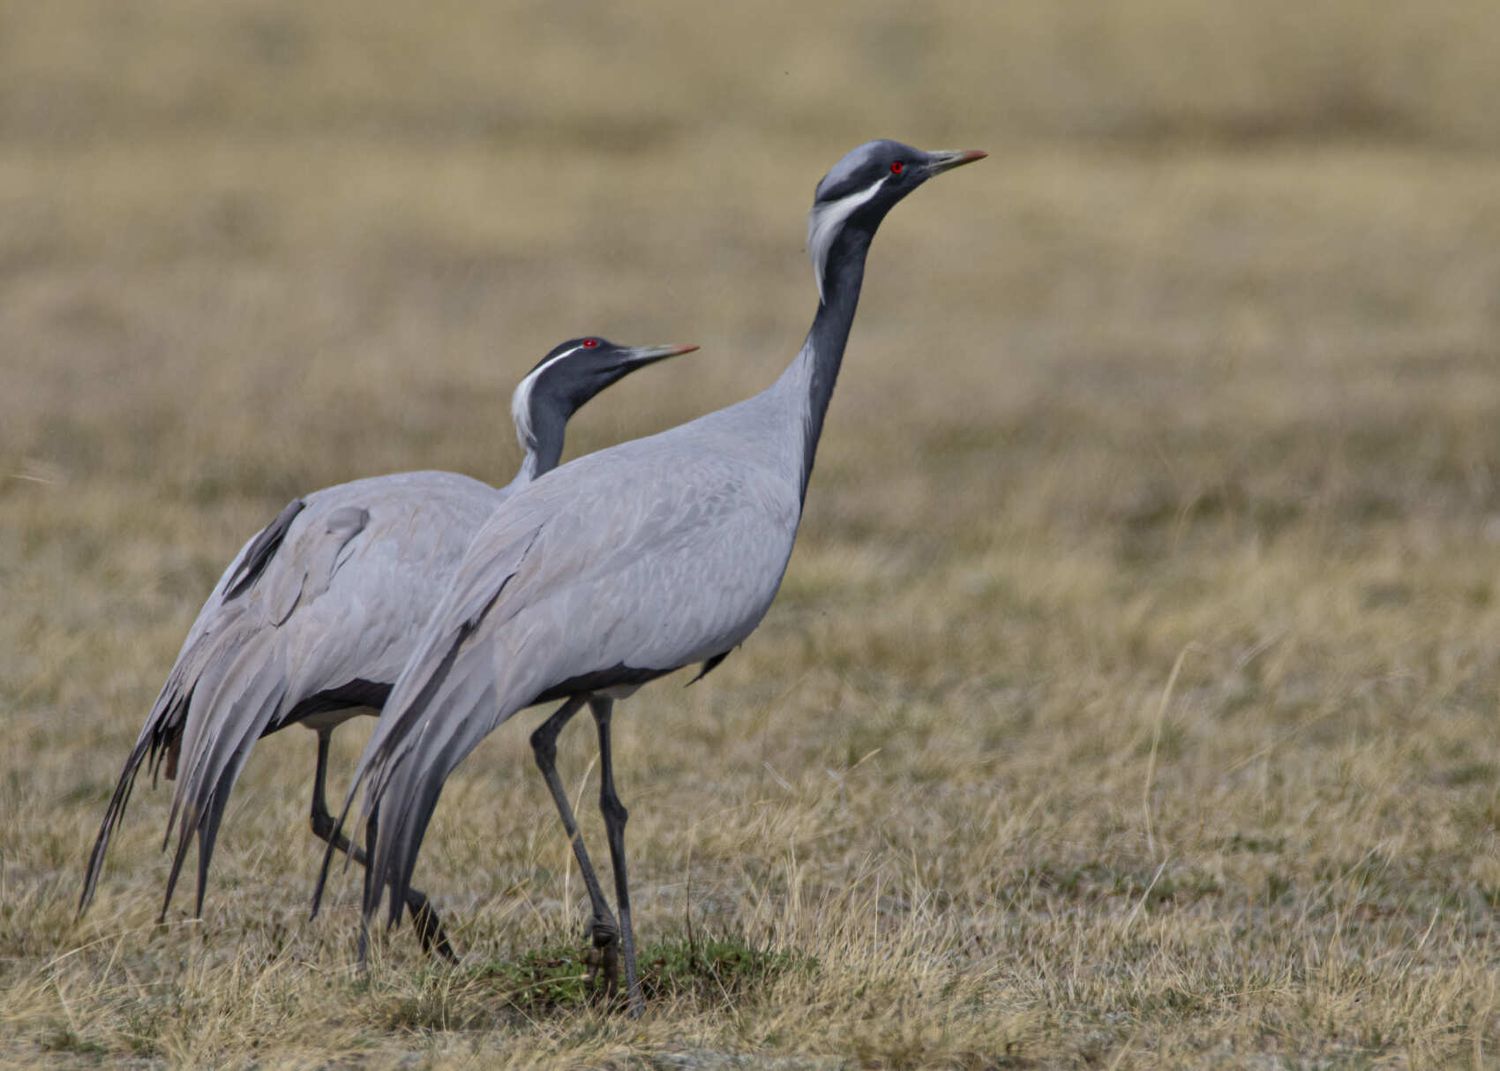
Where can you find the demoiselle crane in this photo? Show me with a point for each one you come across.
(314, 618)
(625, 565)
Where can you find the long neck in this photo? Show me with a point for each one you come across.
(543, 445)
(808, 382)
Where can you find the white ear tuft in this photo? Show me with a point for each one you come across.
(520, 401)
(824, 223)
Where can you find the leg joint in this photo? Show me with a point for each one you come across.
(612, 808)
(544, 746)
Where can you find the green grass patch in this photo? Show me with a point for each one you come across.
(559, 977)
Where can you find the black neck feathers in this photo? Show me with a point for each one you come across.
(843, 276)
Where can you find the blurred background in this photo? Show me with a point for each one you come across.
(226, 222)
(1201, 363)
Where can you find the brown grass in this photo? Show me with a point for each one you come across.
(1131, 699)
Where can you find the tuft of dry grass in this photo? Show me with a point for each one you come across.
(1131, 698)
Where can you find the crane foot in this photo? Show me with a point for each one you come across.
(604, 959)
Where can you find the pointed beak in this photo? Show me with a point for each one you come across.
(637, 355)
(938, 162)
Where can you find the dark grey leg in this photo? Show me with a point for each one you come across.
(604, 932)
(423, 916)
(615, 816)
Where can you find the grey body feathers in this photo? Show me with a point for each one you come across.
(320, 625)
(649, 556)
(316, 615)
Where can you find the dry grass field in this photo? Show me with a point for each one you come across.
(1131, 701)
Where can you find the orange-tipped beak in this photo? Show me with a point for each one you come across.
(947, 161)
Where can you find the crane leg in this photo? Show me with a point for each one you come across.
(604, 932)
(615, 816)
(423, 916)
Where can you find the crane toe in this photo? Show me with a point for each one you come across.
(429, 927)
(603, 958)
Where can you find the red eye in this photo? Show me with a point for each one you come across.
(897, 167)
(590, 343)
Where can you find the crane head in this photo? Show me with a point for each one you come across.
(861, 188)
(573, 372)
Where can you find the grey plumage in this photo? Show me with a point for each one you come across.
(629, 563)
(315, 616)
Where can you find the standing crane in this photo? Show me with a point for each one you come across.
(313, 619)
(625, 565)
